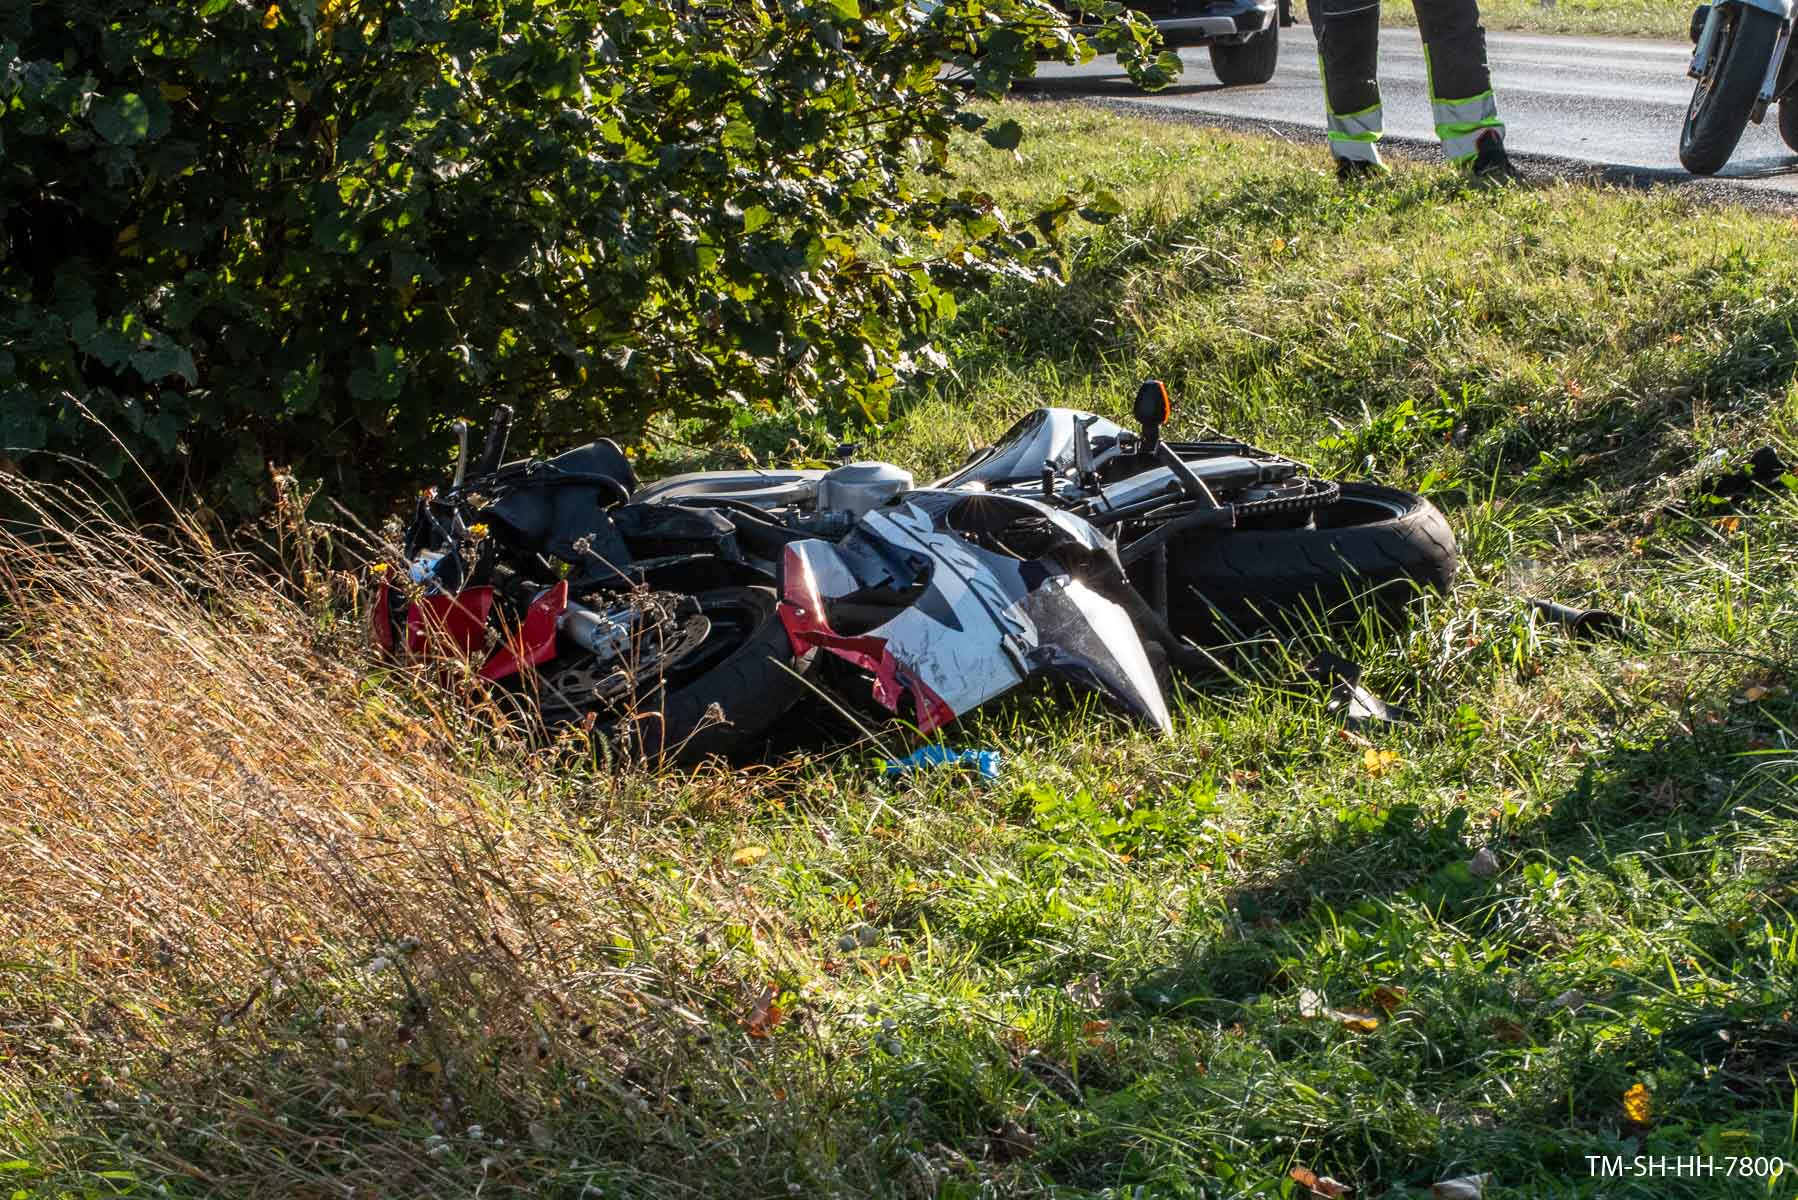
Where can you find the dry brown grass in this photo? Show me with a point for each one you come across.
(281, 922)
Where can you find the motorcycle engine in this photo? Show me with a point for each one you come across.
(858, 487)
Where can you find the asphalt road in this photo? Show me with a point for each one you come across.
(1614, 103)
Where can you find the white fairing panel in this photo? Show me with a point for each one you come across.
(980, 625)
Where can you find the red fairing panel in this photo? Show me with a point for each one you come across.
(536, 640)
(380, 619)
(460, 620)
(801, 612)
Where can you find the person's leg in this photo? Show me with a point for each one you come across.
(1454, 51)
(1348, 49)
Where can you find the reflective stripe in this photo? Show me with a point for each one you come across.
(1460, 145)
(1460, 124)
(1479, 110)
(1363, 126)
(1355, 149)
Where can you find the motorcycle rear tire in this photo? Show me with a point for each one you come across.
(1372, 540)
(1717, 115)
(754, 685)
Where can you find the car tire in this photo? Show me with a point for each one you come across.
(1371, 540)
(1250, 62)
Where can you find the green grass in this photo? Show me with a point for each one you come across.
(1664, 19)
(1112, 973)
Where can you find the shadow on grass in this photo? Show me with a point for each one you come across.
(1067, 87)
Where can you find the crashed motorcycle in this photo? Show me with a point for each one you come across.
(688, 616)
(1740, 64)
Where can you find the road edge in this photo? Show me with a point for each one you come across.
(1538, 166)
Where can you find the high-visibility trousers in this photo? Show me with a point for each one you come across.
(1454, 55)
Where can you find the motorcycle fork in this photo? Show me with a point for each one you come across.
(1158, 581)
(1771, 85)
(1707, 40)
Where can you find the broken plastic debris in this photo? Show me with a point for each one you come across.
(1357, 705)
(1763, 469)
(984, 762)
(1583, 622)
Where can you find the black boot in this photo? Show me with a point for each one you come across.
(1356, 170)
(1492, 167)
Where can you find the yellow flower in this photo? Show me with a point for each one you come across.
(478, 530)
(1638, 1106)
(378, 568)
(271, 17)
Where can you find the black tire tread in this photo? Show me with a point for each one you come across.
(1254, 577)
(1245, 64)
(1704, 149)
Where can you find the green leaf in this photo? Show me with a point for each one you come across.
(162, 359)
(123, 120)
(1004, 136)
(1106, 202)
(22, 427)
(111, 347)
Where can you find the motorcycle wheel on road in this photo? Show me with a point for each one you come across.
(1728, 84)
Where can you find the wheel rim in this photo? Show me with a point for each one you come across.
(1383, 509)
(728, 622)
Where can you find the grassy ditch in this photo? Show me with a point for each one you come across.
(277, 924)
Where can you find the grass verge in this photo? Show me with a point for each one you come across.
(278, 925)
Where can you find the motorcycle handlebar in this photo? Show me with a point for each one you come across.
(498, 430)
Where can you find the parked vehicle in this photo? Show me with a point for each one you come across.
(1741, 64)
(689, 616)
(1243, 36)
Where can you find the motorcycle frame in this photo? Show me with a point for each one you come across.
(1772, 86)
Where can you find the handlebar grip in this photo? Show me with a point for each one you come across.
(498, 430)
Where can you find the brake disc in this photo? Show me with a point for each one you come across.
(668, 627)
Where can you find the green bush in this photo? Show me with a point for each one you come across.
(314, 232)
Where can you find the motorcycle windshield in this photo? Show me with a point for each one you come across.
(1086, 638)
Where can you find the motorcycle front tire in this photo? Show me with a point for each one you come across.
(1722, 101)
(1375, 542)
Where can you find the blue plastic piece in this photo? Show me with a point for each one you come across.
(984, 762)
